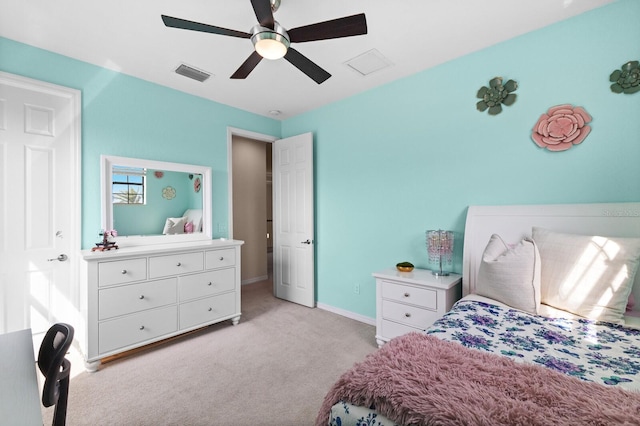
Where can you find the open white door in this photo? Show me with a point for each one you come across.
(39, 203)
(293, 221)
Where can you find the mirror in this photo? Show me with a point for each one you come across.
(155, 202)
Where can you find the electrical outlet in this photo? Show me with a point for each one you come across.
(356, 289)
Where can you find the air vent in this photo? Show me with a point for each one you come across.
(192, 73)
(368, 62)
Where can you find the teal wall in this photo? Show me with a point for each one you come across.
(129, 117)
(395, 161)
(412, 155)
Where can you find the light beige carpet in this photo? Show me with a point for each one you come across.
(273, 368)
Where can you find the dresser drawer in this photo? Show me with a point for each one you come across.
(207, 283)
(115, 301)
(136, 328)
(407, 314)
(423, 297)
(392, 329)
(220, 258)
(205, 310)
(175, 264)
(122, 271)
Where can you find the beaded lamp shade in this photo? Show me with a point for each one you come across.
(440, 250)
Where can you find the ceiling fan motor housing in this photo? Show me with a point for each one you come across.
(270, 43)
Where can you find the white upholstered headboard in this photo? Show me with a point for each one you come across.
(514, 222)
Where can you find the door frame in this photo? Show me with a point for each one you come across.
(75, 103)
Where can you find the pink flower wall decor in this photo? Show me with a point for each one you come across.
(562, 127)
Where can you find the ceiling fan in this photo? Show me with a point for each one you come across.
(272, 41)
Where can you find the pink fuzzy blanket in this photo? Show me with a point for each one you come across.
(417, 379)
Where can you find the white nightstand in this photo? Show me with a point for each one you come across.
(412, 301)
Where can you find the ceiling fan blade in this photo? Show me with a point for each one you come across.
(247, 66)
(336, 28)
(262, 8)
(172, 22)
(305, 65)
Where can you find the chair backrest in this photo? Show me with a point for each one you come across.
(52, 362)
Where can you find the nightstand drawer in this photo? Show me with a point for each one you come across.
(122, 271)
(423, 297)
(219, 258)
(136, 328)
(205, 310)
(392, 329)
(207, 283)
(409, 315)
(115, 301)
(175, 264)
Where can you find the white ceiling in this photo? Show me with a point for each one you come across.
(128, 36)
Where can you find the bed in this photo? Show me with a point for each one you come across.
(547, 331)
(189, 222)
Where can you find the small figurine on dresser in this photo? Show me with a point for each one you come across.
(107, 240)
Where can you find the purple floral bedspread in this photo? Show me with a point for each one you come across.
(586, 349)
(589, 350)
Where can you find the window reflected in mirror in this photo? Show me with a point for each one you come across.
(128, 185)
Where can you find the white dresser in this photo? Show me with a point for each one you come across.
(139, 295)
(412, 301)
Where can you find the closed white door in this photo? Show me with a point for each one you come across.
(293, 219)
(39, 219)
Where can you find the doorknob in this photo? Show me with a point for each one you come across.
(306, 242)
(60, 258)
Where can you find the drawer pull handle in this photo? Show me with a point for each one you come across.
(221, 258)
(142, 327)
(141, 296)
(124, 271)
(210, 309)
(210, 283)
(408, 315)
(179, 264)
(407, 295)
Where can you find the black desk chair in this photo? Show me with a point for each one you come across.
(56, 368)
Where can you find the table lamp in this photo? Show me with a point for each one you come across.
(440, 250)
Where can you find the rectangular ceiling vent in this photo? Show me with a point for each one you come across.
(368, 62)
(192, 73)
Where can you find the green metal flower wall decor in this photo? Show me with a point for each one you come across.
(626, 79)
(495, 95)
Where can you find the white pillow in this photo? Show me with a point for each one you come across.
(590, 276)
(511, 275)
(174, 225)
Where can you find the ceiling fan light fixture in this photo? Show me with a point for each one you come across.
(270, 44)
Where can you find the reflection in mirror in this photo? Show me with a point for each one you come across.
(151, 202)
(146, 201)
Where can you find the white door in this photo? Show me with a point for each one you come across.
(39, 218)
(293, 222)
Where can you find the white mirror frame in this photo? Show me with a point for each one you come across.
(106, 166)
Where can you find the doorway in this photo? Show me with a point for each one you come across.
(252, 220)
(293, 210)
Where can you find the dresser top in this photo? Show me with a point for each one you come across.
(419, 277)
(159, 249)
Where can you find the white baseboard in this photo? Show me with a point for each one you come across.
(255, 280)
(348, 314)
